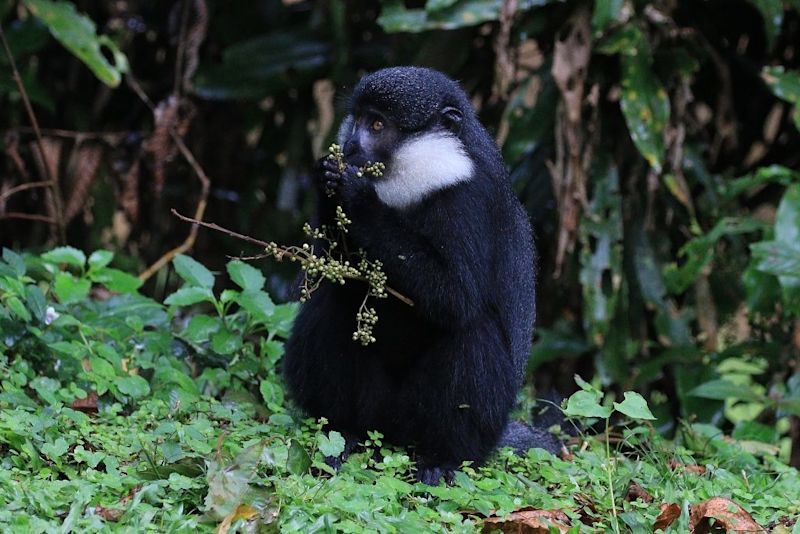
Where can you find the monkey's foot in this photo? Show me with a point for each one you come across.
(350, 443)
(433, 474)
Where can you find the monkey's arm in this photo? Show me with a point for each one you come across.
(442, 265)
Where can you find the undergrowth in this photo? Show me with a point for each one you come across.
(118, 412)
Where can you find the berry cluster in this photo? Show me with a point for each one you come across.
(337, 268)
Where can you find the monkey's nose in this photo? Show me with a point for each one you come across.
(351, 148)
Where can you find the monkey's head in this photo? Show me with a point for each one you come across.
(422, 126)
(391, 105)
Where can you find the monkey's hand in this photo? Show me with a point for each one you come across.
(344, 182)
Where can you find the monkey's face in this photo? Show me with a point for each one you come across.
(369, 136)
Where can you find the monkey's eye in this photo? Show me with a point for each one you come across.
(377, 125)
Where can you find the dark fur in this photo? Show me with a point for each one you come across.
(443, 375)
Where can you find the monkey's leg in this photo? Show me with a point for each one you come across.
(350, 444)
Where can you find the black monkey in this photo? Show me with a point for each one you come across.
(443, 374)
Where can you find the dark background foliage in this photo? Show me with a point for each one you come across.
(655, 145)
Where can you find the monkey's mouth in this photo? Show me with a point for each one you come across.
(372, 170)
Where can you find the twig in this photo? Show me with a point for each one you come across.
(205, 183)
(28, 216)
(54, 185)
(177, 85)
(23, 187)
(109, 137)
(263, 244)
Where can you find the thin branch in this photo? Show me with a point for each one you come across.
(23, 187)
(263, 244)
(177, 85)
(28, 216)
(54, 185)
(205, 183)
(109, 137)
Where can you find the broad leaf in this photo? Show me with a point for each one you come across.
(193, 272)
(78, 34)
(634, 406)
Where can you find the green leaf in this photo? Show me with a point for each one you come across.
(36, 302)
(257, 304)
(781, 257)
(227, 486)
(605, 12)
(634, 406)
(68, 255)
(46, 388)
(751, 430)
(100, 258)
(200, 328)
(785, 85)
(78, 34)
(18, 308)
(722, 389)
(331, 445)
(645, 105)
(553, 345)
(193, 272)
(772, 13)
(55, 449)
(257, 67)
(15, 261)
(225, 342)
(70, 289)
(271, 392)
(132, 386)
(775, 258)
(186, 296)
(586, 404)
(395, 17)
(298, 460)
(116, 280)
(600, 235)
(436, 5)
(699, 252)
(245, 276)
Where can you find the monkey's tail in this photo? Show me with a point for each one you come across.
(522, 436)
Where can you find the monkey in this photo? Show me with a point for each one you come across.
(443, 374)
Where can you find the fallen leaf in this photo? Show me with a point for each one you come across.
(243, 511)
(114, 514)
(669, 513)
(528, 521)
(88, 404)
(108, 514)
(725, 512)
(635, 491)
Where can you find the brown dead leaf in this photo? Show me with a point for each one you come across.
(87, 405)
(242, 511)
(725, 512)
(669, 513)
(82, 170)
(636, 492)
(528, 521)
(109, 514)
(114, 514)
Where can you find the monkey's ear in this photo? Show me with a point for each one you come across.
(451, 117)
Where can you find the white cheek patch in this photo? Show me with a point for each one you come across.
(422, 165)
